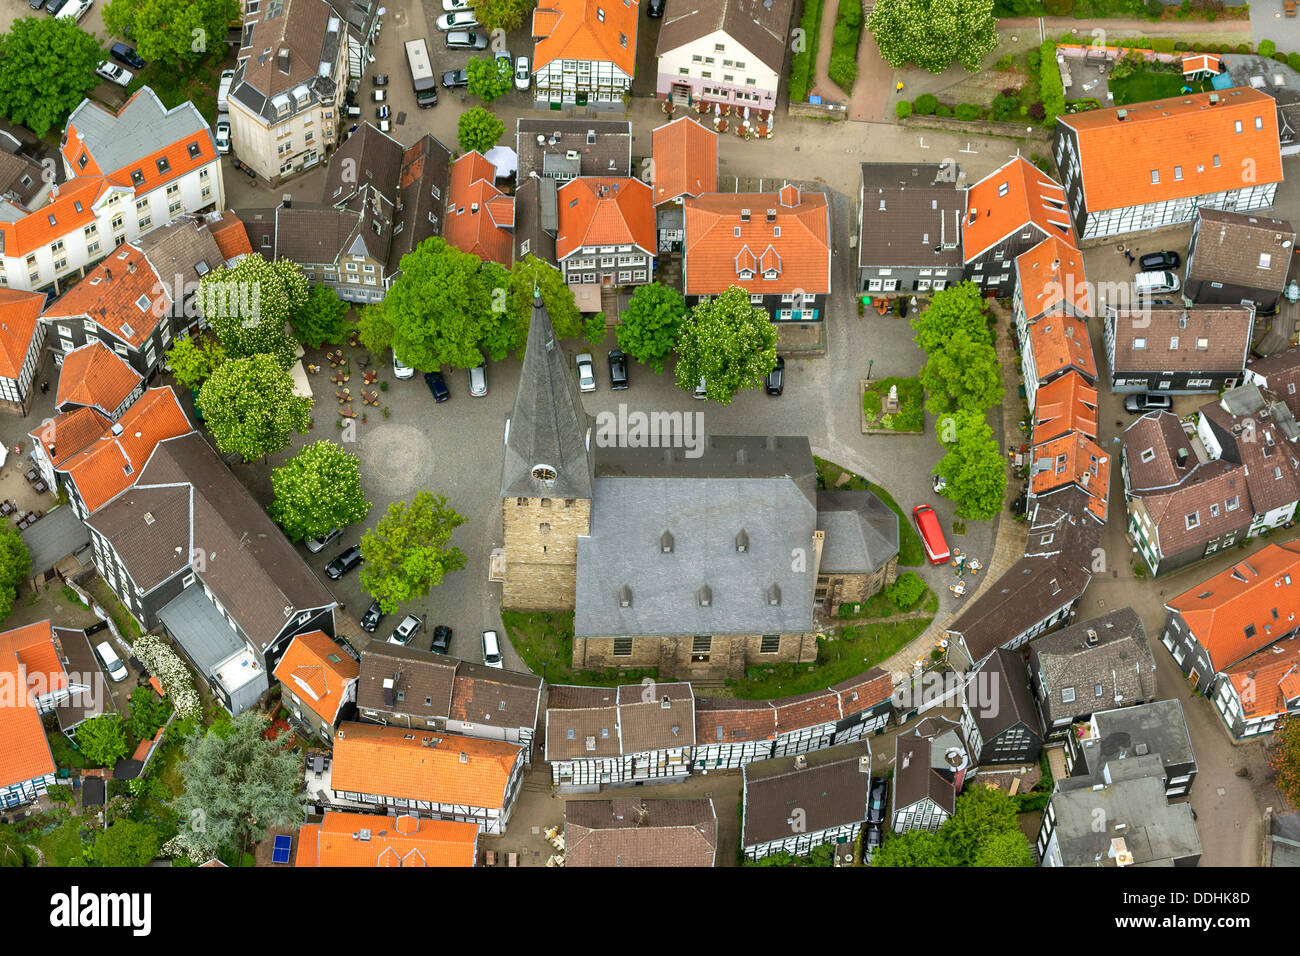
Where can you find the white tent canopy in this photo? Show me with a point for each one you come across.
(504, 159)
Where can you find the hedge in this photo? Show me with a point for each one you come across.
(1049, 83)
(843, 68)
(801, 64)
(925, 104)
(1267, 48)
(903, 109)
(967, 111)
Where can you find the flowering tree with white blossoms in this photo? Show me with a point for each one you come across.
(934, 34)
(318, 490)
(250, 305)
(165, 664)
(250, 406)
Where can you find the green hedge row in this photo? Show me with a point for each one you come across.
(1050, 89)
(843, 68)
(804, 61)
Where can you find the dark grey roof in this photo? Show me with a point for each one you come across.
(597, 722)
(1225, 329)
(536, 220)
(201, 629)
(1120, 661)
(309, 34)
(927, 759)
(423, 679)
(830, 786)
(368, 158)
(759, 26)
(183, 250)
(609, 155)
(79, 659)
(55, 536)
(910, 211)
(861, 531)
(1241, 249)
(1154, 728)
(1000, 698)
(20, 176)
(149, 528)
(1285, 835)
(718, 456)
(260, 226)
(421, 194)
(549, 427)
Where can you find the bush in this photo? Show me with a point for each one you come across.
(1005, 107)
(1280, 57)
(1164, 44)
(967, 111)
(908, 590)
(1180, 46)
(801, 64)
(1049, 84)
(1006, 63)
(925, 104)
(1033, 59)
(843, 69)
(942, 110)
(1243, 48)
(1267, 48)
(1293, 61)
(903, 109)
(1037, 110)
(1155, 9)
(1198, 47)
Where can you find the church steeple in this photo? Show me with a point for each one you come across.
(547, 453)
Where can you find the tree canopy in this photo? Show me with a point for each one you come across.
(322, 319)
(650, 324)
(962, 374)
(102, 739)
(729, 343)
(504, 15)
(318, 490)
(177, 33)
(1285, 759)
(933, 34)
(489, 78)
(250, 407)
(981, 832)
(192, 359)
(973, 471)
(250, 304)
(126, 844)
(15, 565)
(478, 129)
(409, 551)
(958, 307)
(47, 67)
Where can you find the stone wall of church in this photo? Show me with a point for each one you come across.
(541, 545)
(675, 657)
(855, 588)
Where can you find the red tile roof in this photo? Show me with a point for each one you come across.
(69, 432)
(473, 206)
(1069, 404)
(1117, 156)
(1007, 200)
(605, 211)
(1268, 681)
(95, 376)
(123, 295)
(806, 710)
(1061, 342)
(720, 720)
(318, 673)
(19, 314)
(70, 209)
(1199, 62)
(685, 160)
(1051, 276)
(1073, 460)
(594, 30)
(1222, 609)
(28, 661)
(230, 236)
(800, 254)
(422, 765)
(389, 841)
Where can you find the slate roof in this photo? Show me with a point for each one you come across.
(421, 190)
(760, 27)
(1241, 249)
(861, 532)
(1173, 338)
(1120, 661)
(424, 680)
(634, 832)
(830, 788)
(1000, 698)
(609, 155)
(922, 767)
(536, 220)
(910, 211)
(593, 722)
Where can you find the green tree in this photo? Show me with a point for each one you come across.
(250, 407)
(963, 374)
(529, 273)
(974, 474)
(409, 551)
(489, 78)
(1284, 760)
(47, 67)
(177, 33)
(914, 848)
(650, 323)
(727, 342)
(373, 328)
(238, 783)
(979, 813)
(126, 844)
(499, 324)
(502, 14)
(1007, 849)
(478, 129)
(322, 319)
(907, 590)
(957, 307)
(192, 360)
(148, 713)
(933, 34)
(250, 304)
(102, 740)
(15, 564)
(318, 490)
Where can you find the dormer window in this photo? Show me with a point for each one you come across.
(746, 274)
(194, 150)
(137, 177)
(704, 595)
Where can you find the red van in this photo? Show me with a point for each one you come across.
(927, 522)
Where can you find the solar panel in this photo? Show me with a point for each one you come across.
(280, 852)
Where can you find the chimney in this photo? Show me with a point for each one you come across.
(108, 276)
(1182, 458)
(801, 762)
(1090, 637)
(1214, 99)
(1121, 115)
(130, 267)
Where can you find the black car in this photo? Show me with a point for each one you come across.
(345, 562)
(655, 8)
(876, 803)
(126, 56)
(874, 837)
(54, 6)
(455, 78)
(1156, 261)
(441, 639)
(617, 369)
(381, 79)
(776, 378)
(370, 620)
(36, 4)
(437, 386)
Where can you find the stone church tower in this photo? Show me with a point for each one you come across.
(548, 476)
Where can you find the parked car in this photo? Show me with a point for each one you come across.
(492, 650)
(586, 374)
(370, 620)
(401, 370)
(451, 6)
(438, 386)
(317, 545)
(113, 665)
(244, 168)
(503, 60)
(54, 6)
(379, 95)
(776, 377)
(701, 390)
(455, 78)
(655, 8)
(927, 522)
(478, 380)
(441, 640)
(458, 20)
(223, 90)
(126, 55)
(114, 73)
(75, 10)
(875, 835)
(223, 136)
(523, 74)
(1147, 402)
(345, 562)
(1154, 261)
(403, 633)
(464, 40)
(617, 369)
(876, 802)
(1154, 283)
(380, 79)
(35, 4)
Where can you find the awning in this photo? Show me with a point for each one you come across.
(587, 296)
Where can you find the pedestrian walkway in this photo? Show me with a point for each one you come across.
(822, 84)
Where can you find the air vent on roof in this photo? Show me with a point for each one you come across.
(742, 540)
(117, 428)
(744, 215)
(1141, 750)
(591, 137)
(801, 762)
(148, 517)
(705, 595)
(625, 596)
(666, 703)
(666, 542)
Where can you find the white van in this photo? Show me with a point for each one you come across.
(1154, 283)
(492, 650)
(113, 665)
(223, 91)
(75, 10)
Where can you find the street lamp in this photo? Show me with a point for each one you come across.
(870, 363)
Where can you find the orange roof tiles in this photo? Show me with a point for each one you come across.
(1009, 198)
(1268, 680)
(599, 31)
(1061, 342)
(391, 841)
(1193, 147)
(318, 672)
(685, 160)
(19, 314)
(473, 206)
(796, 242)
(28, 660)
(1199, 62)
(1231, 613)
(110, 466)
(71, 208)
(1073, 460)
(422, 765)
(605, 211)
(95, 376)
(121, 296)
(69, 432)
(1051, 275)
(230, 236)
(1068, 404)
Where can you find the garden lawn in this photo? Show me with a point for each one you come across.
(880, 605)
(61, 845)
(910, 416)
(548, 637)
(910, 552)
(1144, 86)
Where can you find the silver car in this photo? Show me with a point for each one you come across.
(478, 380)
(406, 630)
(586, 374)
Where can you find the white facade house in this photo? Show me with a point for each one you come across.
(584, 53)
